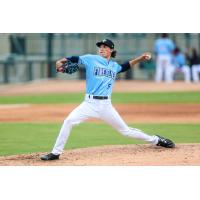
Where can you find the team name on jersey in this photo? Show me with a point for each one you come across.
(98, 71)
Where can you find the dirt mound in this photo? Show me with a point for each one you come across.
(119, 155)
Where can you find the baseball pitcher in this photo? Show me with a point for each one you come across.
(101, 72)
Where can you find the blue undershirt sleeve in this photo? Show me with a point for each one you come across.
(73, 59)
(124, 67)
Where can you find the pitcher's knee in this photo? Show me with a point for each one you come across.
(68, 122)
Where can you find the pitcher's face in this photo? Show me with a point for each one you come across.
(105, 51)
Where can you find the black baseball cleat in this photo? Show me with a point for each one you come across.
(164, 142)
(50, 156)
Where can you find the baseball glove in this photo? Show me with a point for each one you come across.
(69, 67)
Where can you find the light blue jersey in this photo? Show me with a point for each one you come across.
(100, 74)
(178, 60)
(164, 46)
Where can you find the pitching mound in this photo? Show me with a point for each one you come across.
(127, 155)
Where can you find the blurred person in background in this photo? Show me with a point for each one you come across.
(179, 65)
(194, 61)
(188, 57)
(163, 48)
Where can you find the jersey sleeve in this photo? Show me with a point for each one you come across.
(85, 60)
(171, 45)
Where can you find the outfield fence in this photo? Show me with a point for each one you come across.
(28, 57)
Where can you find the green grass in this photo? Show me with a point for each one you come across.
(154, 97)
(18, 138)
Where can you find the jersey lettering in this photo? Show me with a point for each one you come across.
(98, 71)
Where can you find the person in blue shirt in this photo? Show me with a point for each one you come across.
(179, 65)
(163, 48)
(101, 72)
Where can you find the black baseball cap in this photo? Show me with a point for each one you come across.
(106, 42)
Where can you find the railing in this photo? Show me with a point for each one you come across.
(23, 69)
(38, 61)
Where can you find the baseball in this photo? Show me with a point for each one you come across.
(148, 56)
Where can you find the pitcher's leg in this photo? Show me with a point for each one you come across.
(112, 117)
(78, 115)
(63, 135)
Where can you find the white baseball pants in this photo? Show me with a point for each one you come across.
(101, 109)
(186, 72)
(163, 68)
(195, 73)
